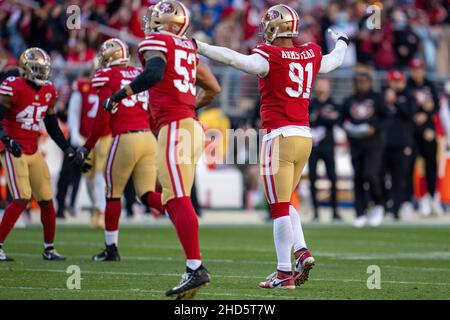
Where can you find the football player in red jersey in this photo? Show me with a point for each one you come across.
(24, 102)
(171, 72)
(286, 75)
(83, 107)
(133, 151)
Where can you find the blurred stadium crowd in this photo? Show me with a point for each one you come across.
(409, 29)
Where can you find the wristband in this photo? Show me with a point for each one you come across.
(344, 39)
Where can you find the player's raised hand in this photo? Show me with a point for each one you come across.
(110, 105)
(338, 36)
(12, 146)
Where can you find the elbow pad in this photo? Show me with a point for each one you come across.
(152, 74)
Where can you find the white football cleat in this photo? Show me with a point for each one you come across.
(425, 205)
(436, 206)
(406, 211)
(375, 216)
(360, 222)
(278, 280)
(4, 257)
(304, 262)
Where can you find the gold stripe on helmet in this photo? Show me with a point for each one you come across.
(280, 21)
(113, 52)
(168, 15)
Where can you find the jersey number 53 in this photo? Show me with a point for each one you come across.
(188, 83)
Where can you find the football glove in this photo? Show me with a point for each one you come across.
(79, 159)
(112, 103)
(336, 36)
(110, 106)
(12, 146)
(71, 155)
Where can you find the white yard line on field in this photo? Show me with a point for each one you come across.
(158, 292)
(150, 274)
(436, 255)
(426, 255)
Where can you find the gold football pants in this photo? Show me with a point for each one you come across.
(27, 176)
(131, 155)
(98, 155)
(281, 165)
(180, 145)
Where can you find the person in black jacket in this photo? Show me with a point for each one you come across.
(364, 116)
(399, 138)
(324, 114)
(425, 144)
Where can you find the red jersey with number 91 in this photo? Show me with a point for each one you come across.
(28, 108)
(174, 97)
(132, 113)
(286, 89)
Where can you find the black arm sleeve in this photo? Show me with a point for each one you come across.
(152, 74)
(54, 131)
(3, 112)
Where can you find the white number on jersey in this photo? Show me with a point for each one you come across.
(188, 84)
(132, 100)
(297, 74)
(31, 117)
(93, 100)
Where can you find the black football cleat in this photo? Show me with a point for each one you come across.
(110, 253)
(4, 257)
(50, 254)
(189, 284)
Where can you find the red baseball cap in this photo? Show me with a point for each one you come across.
(416, 63)
(395, 75)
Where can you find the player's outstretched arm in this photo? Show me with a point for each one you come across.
(209, 86)
(54, 131)
(335, 58)
(253, 64)
(10, 144)
(153, 73)
(73, 119)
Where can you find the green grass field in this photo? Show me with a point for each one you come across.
(414, 262)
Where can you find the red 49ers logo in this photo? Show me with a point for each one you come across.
(166, 7)
(272, 14)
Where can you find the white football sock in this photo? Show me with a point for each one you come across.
(100, 192)
(283, 238)
(299, 238)
(48, 245)
(90, 189)
(193, 264)
(112, 237)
